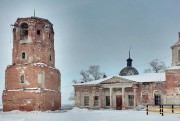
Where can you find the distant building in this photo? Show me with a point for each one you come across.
(32, 82)
(127, 90)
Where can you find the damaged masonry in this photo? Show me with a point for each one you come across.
(32, 82)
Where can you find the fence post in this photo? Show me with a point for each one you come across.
(147, 110)
(172, 108)
(162, 110)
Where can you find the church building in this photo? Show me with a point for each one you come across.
(130, 89)
(32, 82)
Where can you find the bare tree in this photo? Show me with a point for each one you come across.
(147, 70)
(94, 71)
(156, 66)
(71, 96)
(74, 81)
(85, 76)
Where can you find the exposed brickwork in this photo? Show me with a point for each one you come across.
(147, 90)
(29, 101)
(172, 79)
(143, 93)
(32, 82)
(173, 86)
(38, 48)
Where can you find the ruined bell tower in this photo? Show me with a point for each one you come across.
(32, 82)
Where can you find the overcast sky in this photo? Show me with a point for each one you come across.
(97, 32)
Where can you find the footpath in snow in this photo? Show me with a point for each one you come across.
(77, 114)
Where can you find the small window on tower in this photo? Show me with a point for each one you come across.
(39, 32)
(22, 78)
(23, 55)
(178, 54)
(50, 58)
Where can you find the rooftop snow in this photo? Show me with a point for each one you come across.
(173, 68)
(145, 77)
(94, 82)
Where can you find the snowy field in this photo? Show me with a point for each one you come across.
(86, 115)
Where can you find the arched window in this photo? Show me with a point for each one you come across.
(22, 78)
(24, 31)
(23, 55)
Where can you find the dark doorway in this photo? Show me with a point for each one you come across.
(107, 100)
(118, 102)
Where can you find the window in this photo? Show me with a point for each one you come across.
(107, 100)
(131, 100)
(178, 54)
(52, 103)
(23, 55)
(96, 100)
(86, 100)
(39, 32)
(50, 57)
(24, 31)
(22, 78)
(157, 99)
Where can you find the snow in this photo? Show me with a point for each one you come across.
(43, 65)
(30, 89)
(40, 64)
(94, 82)
(177, 43)
(173, 68)
(26, 89)
(50, 90)
(77, 114)
(145, 77)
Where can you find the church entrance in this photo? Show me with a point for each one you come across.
(118, 102)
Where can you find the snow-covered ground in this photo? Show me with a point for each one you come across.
(86, 115)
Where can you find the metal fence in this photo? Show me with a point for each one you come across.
(163, 109)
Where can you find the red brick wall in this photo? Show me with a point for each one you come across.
(29, 101)
(172, 79)
(150, 89)
(51, 81)
(41, 87)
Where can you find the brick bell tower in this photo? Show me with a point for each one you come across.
(32, 82)
(176, 53)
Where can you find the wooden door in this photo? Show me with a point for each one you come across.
(118, 102)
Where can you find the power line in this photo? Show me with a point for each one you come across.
(154, 59)
(115, 73)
